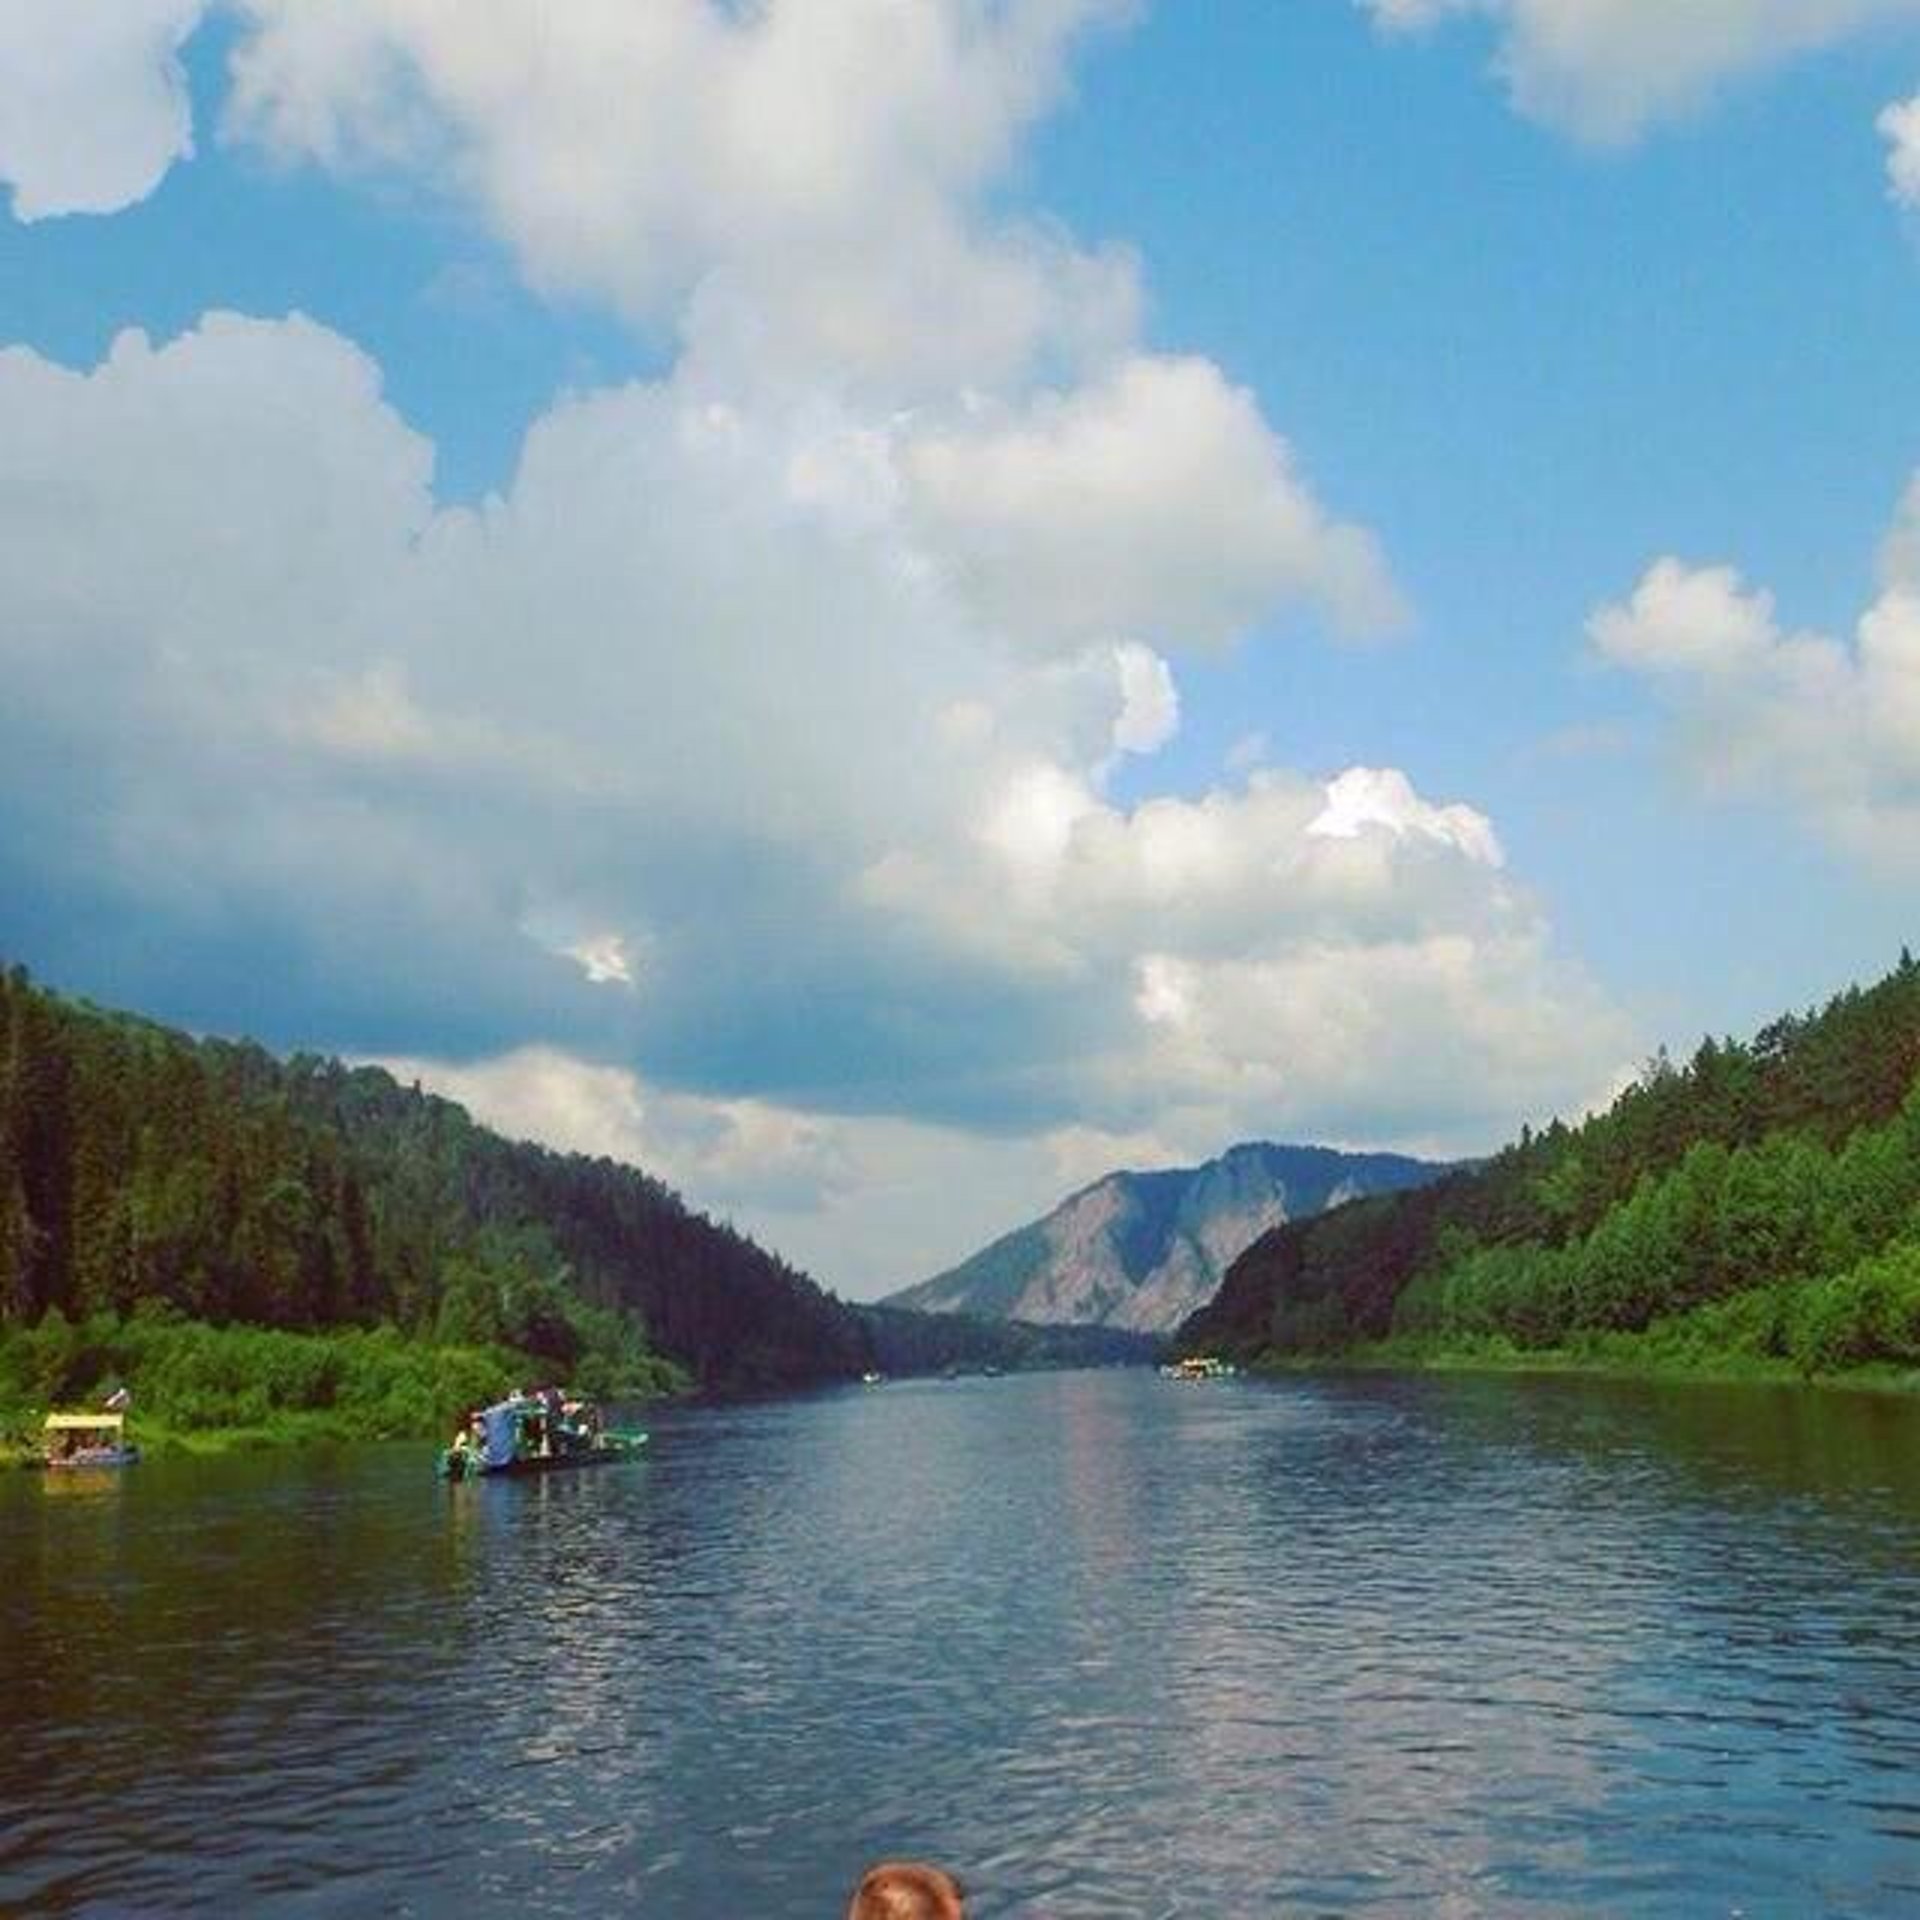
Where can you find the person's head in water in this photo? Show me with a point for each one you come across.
(906, 1890)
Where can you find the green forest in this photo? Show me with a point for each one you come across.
(1755, 1209)
(296, 1247)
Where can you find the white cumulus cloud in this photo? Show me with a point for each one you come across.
(1607, 70)
(806, 193)
(1901, 126)
(797, 182)
(1366, 797)
(1154, 501)
(1685, 619)
(1149, 701)
(1827, 726)
(93, 101)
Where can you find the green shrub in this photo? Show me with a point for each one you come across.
(186, 1375)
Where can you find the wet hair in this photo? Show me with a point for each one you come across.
(907, 1890)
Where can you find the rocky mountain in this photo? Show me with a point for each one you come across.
(1143, 1250)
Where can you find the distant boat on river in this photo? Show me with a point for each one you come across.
(1199, 1366)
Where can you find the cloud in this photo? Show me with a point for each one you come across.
(1154, 501)
(1901, 126)
(1249, 751)
(1827, 727)
(692, 757)
(1227, 868)
(742, 1157)
(1454, 1032)
(810, 194)
(1149, 701)
(1685, 619)
(799, 183)
(604, 959)
(93, 102)
(1606, 71)
(803, 190)
(1365, 797)
(1329, 958)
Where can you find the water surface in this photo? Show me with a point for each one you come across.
(1105, 1644)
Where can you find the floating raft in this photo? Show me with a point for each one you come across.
(536, 1433)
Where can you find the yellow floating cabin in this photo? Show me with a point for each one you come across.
(88, 1440)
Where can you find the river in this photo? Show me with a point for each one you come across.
(1104, 1644)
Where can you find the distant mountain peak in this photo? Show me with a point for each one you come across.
(1142, 1250)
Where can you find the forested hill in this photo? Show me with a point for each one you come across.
(139, 1165)
(1763, 1200)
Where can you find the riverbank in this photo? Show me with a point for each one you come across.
(199, 1388)
(21, 1446)
(1390, 1356)
(1655, 1355)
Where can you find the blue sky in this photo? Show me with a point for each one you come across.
(1536, 365)
(1087, 581)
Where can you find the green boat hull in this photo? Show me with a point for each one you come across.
(459, 1464)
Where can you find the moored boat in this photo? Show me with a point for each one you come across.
(535, 1433)
(76, 1440)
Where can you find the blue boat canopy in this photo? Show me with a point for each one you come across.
(502, 1426)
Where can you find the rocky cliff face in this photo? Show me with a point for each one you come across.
(1143, 1250)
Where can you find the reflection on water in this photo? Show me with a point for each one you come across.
(1110, 1646)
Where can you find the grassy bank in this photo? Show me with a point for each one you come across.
(204, 1388)
(1804, 1335)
